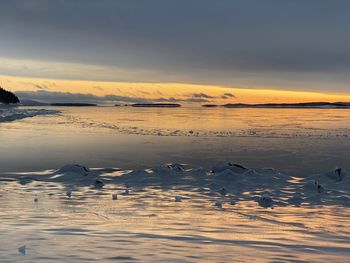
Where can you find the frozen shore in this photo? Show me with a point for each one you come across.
(76, 214)
(12, 113)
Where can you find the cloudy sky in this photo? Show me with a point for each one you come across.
(226, 46)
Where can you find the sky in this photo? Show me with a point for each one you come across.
(192, 51)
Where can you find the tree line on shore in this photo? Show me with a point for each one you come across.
(7, 97)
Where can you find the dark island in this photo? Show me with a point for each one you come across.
(316, 105)
(73, 104)
(7, 97)
(156, 105)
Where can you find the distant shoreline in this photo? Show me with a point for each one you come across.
(304, 105)
(74, 104)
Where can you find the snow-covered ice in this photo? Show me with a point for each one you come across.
(11, 113)
(149, 215)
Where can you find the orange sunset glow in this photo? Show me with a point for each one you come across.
(169, 90)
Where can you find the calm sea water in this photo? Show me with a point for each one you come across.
(294, 141)
(147, 225)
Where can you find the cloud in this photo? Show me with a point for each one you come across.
(216, 42)
(41, 87)
(52, 97)
(202, 95)
(228, 96)
(97, 88)
(175, 100)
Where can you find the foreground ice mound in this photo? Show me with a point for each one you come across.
(220, 167)
(200, 171)
(228, 174)
(74, 168)
(313, 186)
(266, 186)
(332, 183)
(336, 175)
(296, 199)
(76, 174)
(165, 169)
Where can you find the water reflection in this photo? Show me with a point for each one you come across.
(295, 141)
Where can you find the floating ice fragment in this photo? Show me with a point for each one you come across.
(22, 250)
(99, 183)
(232, 202)
(319, 188)
(223, 191)
(218, 203)
(178, 198)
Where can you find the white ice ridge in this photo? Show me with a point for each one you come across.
(225, 184)
(8, 114)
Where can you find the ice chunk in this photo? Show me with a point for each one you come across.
(69, 194)
(265, 201)
(223, 191)
(22, 250)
